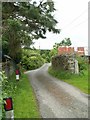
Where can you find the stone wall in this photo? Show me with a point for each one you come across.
(65, 62)
(8, 67)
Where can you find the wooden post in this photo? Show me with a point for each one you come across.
(17, 74)
(8, 106)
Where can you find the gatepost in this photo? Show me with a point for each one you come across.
(8, 106)
(17, 74)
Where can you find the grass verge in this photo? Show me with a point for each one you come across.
(79, 81)
(25, 104)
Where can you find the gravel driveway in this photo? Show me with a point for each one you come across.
(56, 98)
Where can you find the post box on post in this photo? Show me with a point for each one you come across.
(8, 106)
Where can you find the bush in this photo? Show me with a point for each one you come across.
(9, 87)
(83, 64)
(3, 82)
(45, 55)
(32, 60)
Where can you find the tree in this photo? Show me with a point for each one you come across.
(11, 38)
(53, 52)
(32, 19)
(65, 42)
(45, 55)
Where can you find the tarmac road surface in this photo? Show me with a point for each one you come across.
(56, 98)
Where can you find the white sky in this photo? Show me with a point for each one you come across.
(72, 16)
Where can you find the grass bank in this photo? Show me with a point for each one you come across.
(79, 81)
(25, 104)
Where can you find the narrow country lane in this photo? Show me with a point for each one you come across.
(56, 98)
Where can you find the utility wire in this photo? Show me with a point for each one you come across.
(75, 18)
(81, 23)
(77, 25)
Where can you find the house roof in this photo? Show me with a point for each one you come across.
(62, 50)
(79, 50)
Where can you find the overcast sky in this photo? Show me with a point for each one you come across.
(72, 17)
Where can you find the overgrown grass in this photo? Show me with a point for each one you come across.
(25, 104)
(79, 81)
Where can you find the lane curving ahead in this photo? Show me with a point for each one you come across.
(56, 98)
